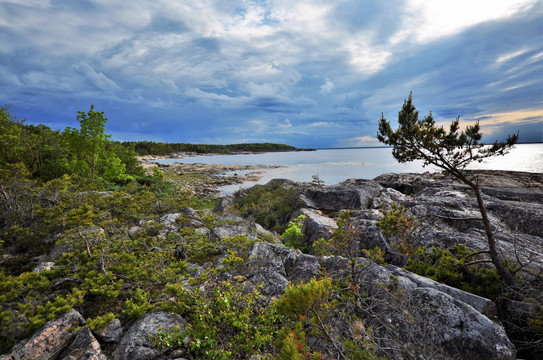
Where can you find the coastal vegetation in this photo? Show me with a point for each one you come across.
(83, 226)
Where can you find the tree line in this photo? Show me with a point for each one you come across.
(39, 153)
(160, 148)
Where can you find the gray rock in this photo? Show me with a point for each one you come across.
(84, 347)
(229, 225)
(186, 217)
(265, 266)
(415, 315)
(134, 230)
(350, 194)
(315, 226)
(221, 232)
(457, 328)
(514, 202)
(223, 204)
(137, 343)
(50, 340)
(481, 304)
(111, 333)
(43, 267)
(300, 267)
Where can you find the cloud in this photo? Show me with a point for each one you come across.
(365, 141)
(327, 87)
(429, 20)
(99, 80)
(310, 72)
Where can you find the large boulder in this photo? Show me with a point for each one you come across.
(50, 340)
(415, 317)
(448, 212)
(273, 266)
(350, 194)
(228, 225)
(137, 343)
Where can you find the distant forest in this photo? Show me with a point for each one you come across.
(159, 148)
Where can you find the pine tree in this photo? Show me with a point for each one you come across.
(451, 151)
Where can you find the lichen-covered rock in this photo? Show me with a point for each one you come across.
(300, 267)
(228, 225)
(137, 343)
(50, 340)
(84, 347)
(456, 327)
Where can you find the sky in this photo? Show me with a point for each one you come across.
(312, 73)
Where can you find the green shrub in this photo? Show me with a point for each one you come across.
(452, 267)
(293, 236)
(225, 322)
(270, 205)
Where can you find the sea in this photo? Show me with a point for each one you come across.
(333, 166)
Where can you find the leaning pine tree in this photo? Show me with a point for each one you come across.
(451, 151)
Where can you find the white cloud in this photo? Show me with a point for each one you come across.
(429, 20)
(365, 141)
(320, 124)
(211, 99)
(327, 87)
(510, 55)
(285, 124)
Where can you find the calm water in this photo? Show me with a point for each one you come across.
(336, 165)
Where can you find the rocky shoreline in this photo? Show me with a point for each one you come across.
(206, 178)
(429, 320)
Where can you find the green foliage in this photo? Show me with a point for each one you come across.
(292, 344)
(293, 236)
(99, 322)
(452, 268)
(399, 226)
(311, 309)
(138, 305)
(91, 154)
(422, 140)
(344, 242)
(225, 322)
(270, 205)
(299, 300)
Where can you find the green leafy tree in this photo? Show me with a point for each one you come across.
(89, 147)
(451, 151)
(89, 142)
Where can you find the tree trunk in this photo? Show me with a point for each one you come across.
(492, 249)
(493, 252)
